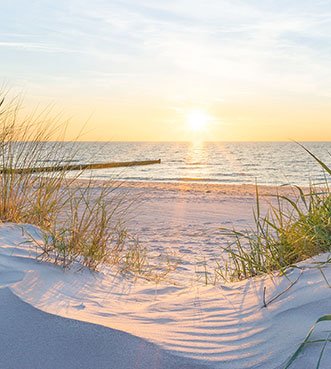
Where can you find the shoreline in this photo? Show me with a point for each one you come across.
(196, 187)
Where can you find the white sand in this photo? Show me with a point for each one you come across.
(222, 326)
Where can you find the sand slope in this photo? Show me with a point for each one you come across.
(220, 326)
(32, 339)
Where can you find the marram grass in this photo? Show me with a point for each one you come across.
(81, 222)
(295, 228)
(309, 340)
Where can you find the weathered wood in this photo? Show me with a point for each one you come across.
(58, 168)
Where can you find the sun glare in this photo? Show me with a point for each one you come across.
(197, 120)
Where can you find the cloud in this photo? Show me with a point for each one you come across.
(25, 45)
(217, 48)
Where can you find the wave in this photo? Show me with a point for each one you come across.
(197, 163)
(176, 179)
(267, 163)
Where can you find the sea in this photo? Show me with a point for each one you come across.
(265, 163)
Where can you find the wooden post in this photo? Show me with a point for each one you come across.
(69, 167)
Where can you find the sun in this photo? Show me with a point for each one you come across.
(197, 120)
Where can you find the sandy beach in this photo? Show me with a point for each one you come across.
(52, 318)
(165, 184)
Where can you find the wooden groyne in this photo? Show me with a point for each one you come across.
(70, 167)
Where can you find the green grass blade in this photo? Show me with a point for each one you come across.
(319, 161)
(322, 351)
(301, 347)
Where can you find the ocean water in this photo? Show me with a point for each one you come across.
(273, 163)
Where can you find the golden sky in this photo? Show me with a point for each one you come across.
(174, 70)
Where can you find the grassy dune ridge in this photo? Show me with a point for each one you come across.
(295, 228)
(79, 223)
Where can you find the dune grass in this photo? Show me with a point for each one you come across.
(295, 228)
(81, 222)
(309, 340)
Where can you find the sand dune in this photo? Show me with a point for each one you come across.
(181, 323)
(216, 326)
(32, 339)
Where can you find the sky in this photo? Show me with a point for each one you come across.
(165, 70)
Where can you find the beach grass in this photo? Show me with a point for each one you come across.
(295, 228)
(80, 222)
(310, 340)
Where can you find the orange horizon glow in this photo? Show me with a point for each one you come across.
(226, 122)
